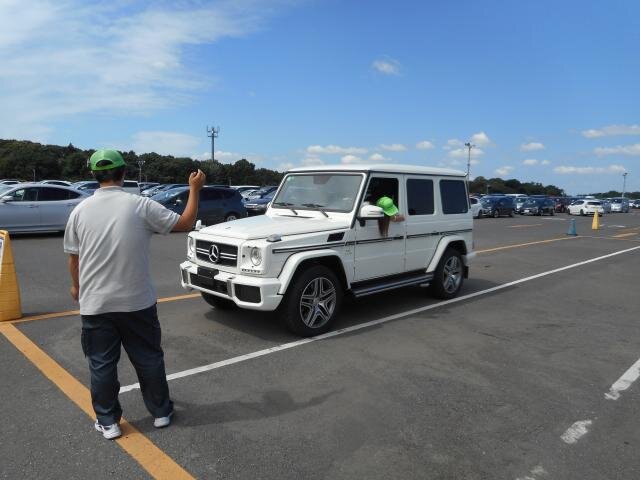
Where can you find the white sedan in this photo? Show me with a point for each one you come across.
(476, 208)
(586, 207)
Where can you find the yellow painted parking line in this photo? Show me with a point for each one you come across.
(518, 245)
(527, 226)
(70, 313)
(623, 235)
(155, 461)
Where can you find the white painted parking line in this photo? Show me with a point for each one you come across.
(624, 382)
(286, 346)
(576, 431)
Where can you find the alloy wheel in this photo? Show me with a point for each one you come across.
(452, 274)
(318, 302)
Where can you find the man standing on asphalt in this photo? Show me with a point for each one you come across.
(107, 239)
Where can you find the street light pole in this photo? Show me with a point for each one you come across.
(140, 164)
(624, 183)
(469, 147)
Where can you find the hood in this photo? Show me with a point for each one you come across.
(262, 226)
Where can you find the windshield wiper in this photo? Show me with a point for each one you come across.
(286, 204)
(316, 206)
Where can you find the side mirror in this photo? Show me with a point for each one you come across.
(369, 212)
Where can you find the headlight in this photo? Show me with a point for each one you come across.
(191, 246)
(256, 256)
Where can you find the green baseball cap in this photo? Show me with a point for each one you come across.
(105, 160)
(387, 206)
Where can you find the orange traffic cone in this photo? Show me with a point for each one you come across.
(595, 225)
(9, 290)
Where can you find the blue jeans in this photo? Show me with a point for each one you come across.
(139, 333)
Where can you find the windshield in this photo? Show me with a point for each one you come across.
(533, 202)
(5, 188)
(327, 191)
(594, 203)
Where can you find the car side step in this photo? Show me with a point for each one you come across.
(374, 286)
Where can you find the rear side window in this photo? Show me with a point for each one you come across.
(453, 195)
(209, 195)
(420, 196)
(52, 194)
(130, 184)
(229, 193)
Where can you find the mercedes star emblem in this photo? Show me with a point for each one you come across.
(214, 253)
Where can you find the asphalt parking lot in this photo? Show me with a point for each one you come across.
(527, 375)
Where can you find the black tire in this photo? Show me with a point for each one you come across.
(552, 213)
(231, 217)
(581, 213)
(312, 316)
(441, 287)
(496, 214)
(218, 302)
(511, 213)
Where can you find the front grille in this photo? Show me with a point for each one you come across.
(203, 282)
(227, 254)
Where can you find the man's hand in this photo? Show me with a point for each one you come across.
(74, 291)
(196, 180)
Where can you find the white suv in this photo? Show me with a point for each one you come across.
(322, 237)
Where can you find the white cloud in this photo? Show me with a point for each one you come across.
(530, 161)
(464, 152)
(394, 147)
(377, 157)
(545, 162)
(531, 146)
(453, 143)
(386, 66)
(165, 143)
(610, 169)
(283, 167)
(311, 162)
(612, 130)
(633, 150)
(504, 171)
(351, 159)
(64, 58)
(425, 145)
(480, 139)
(335, 150)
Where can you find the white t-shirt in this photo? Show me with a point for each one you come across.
(110, 232)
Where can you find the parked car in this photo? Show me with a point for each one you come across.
(34, 207)
(62, 183)
(258, 206)
(519, 202)
(9, 182)
(620, 205)
(146, 185)
(606, 205)
(216, 205)
(244, 188)
(162, 188)
(539, 206)
(307, 252)
(586, 207)
(476, 208)
(561, 204)
(86, 186)
(635, 203)
(262, 192)
(497, 206)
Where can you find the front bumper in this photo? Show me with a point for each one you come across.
(234, 287)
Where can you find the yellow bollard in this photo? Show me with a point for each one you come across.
(595, 225)
(9, 290)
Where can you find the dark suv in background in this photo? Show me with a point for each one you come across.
(217, 204)
(497, 206)
(539, 206)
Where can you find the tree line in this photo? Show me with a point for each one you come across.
(32, 161)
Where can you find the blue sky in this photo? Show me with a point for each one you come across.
(546, 90)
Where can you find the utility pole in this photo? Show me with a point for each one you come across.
(469, 147)
(140, 164)
(624, 183)
(213, 134)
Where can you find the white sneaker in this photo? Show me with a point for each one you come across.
(110, 432)
(162, 421)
